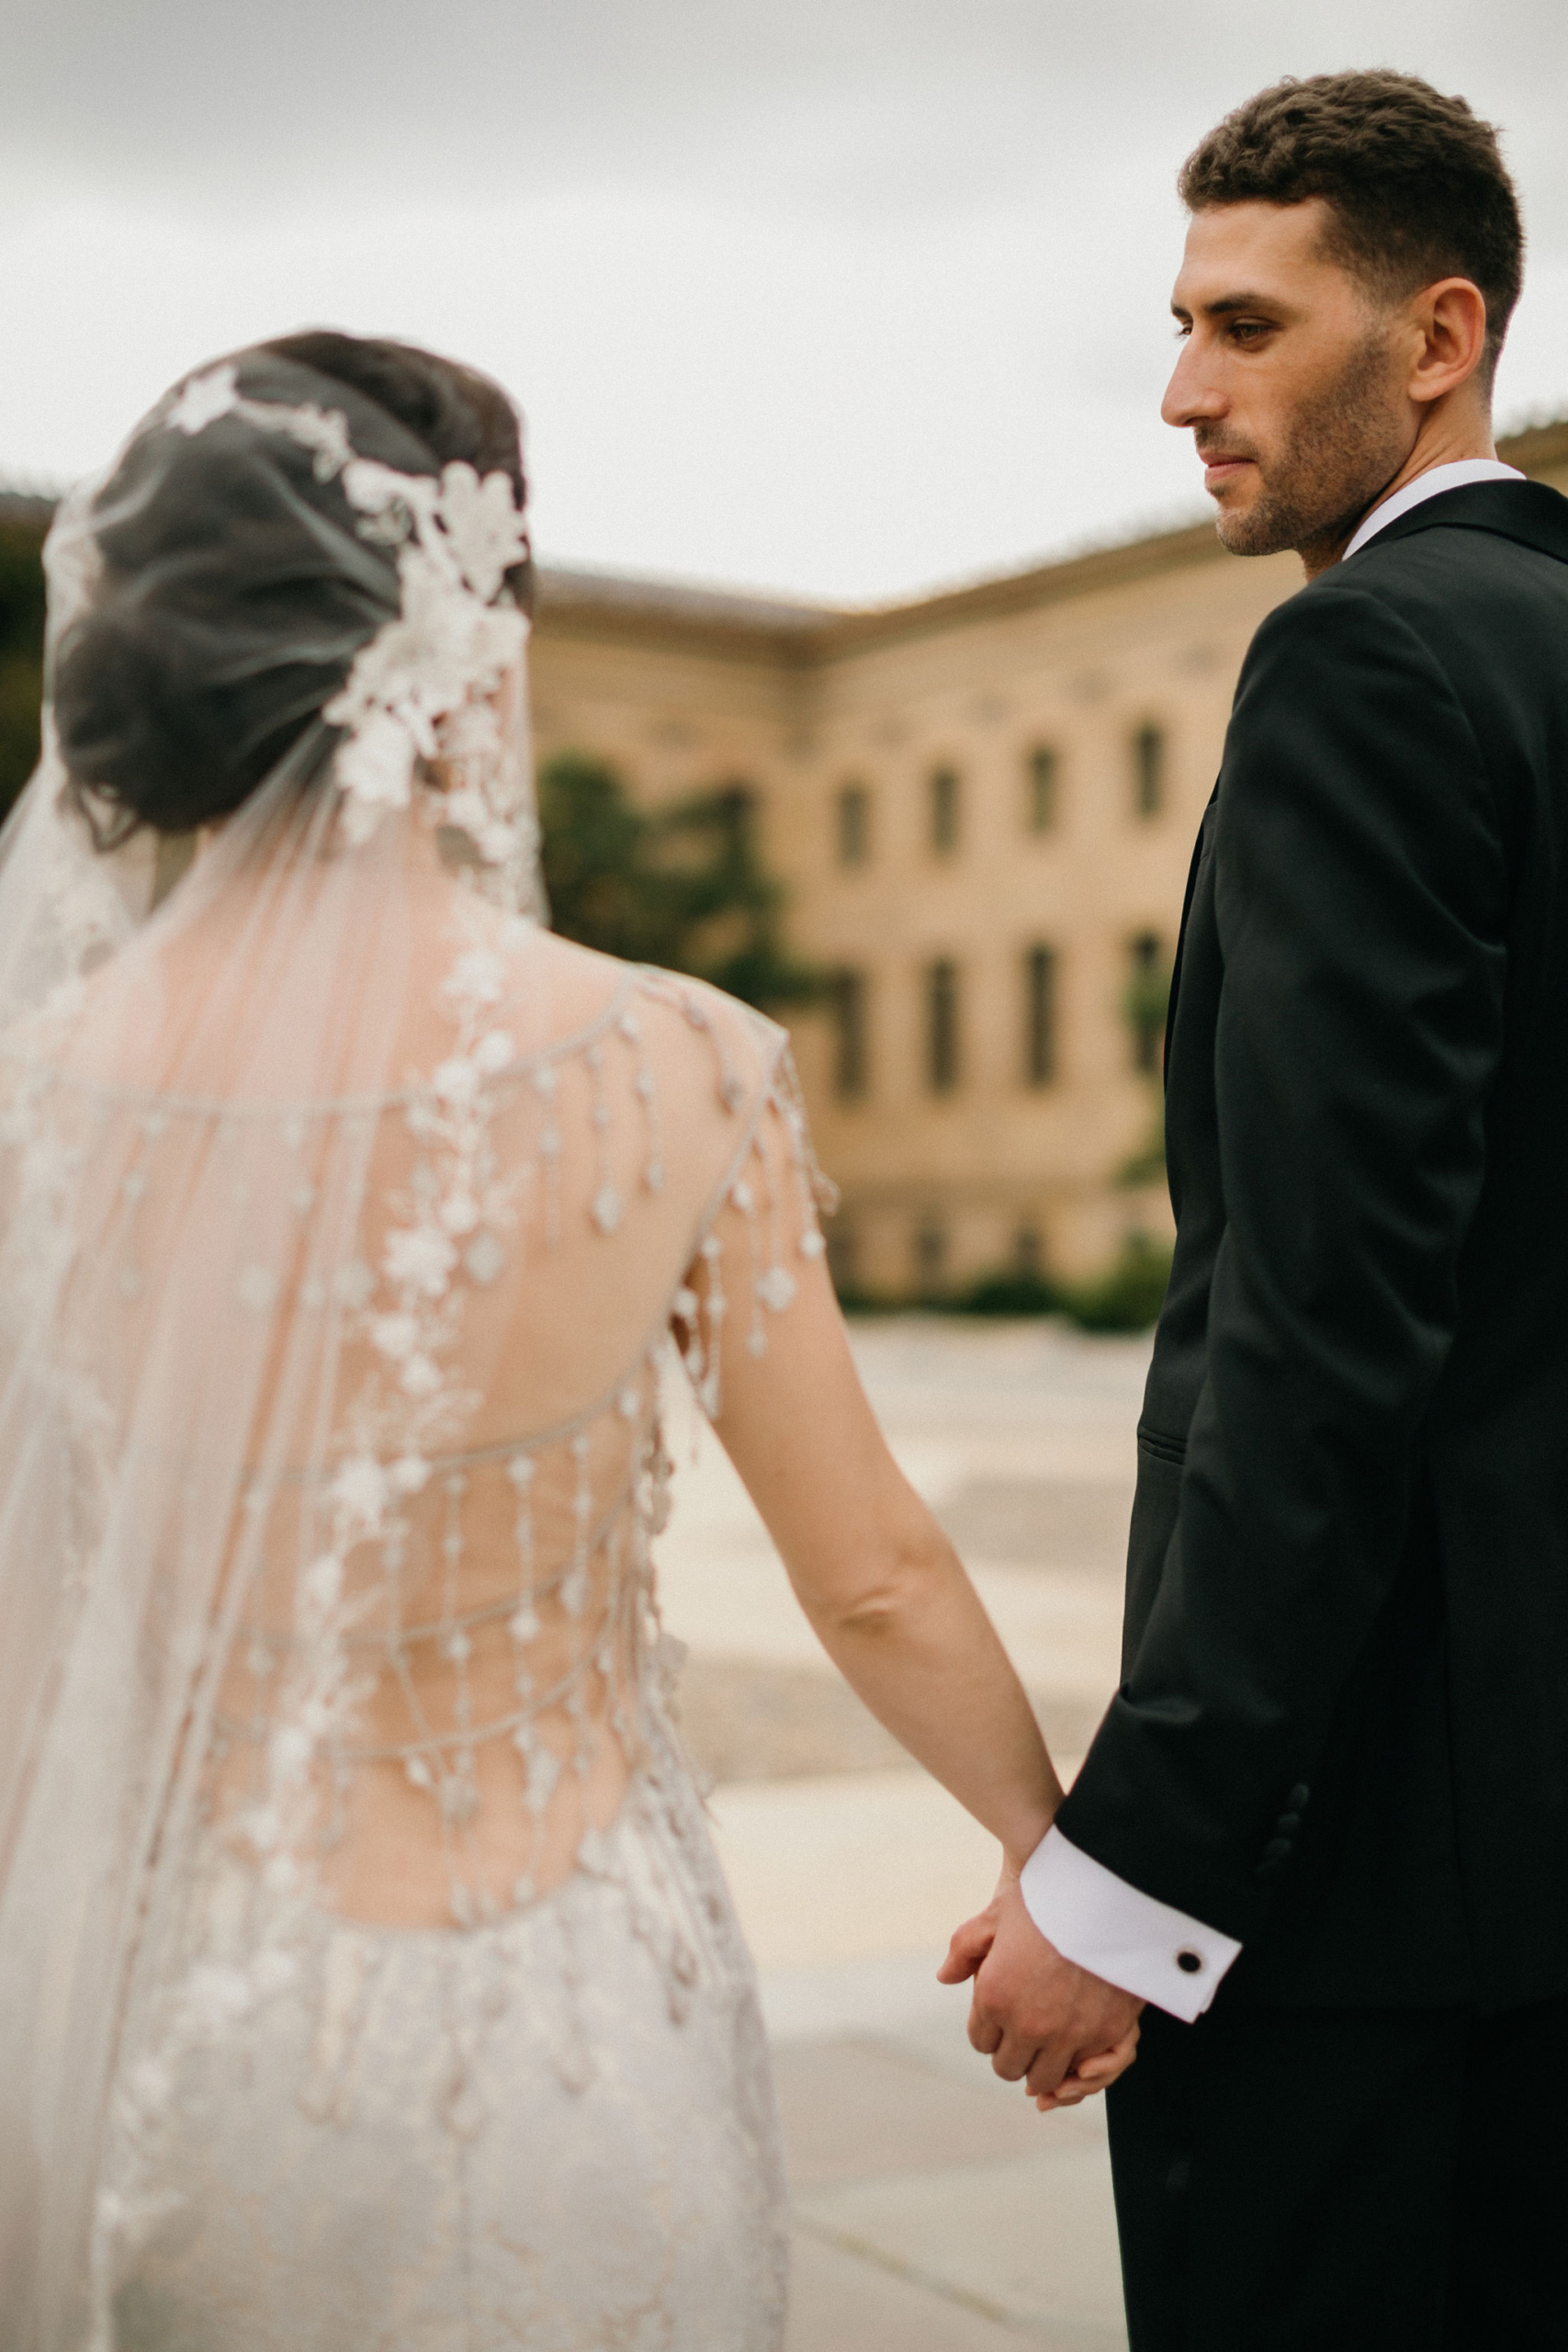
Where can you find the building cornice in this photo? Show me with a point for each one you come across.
(611, 608)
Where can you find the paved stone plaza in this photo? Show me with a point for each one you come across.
(936, 2212)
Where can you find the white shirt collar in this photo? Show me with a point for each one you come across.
(1463, 471)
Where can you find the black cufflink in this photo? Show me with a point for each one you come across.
(1190, 1962)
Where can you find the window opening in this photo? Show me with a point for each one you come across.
(942, 1025)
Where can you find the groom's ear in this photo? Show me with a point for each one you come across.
(1446, 324)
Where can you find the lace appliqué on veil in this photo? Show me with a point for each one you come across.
(424, 687)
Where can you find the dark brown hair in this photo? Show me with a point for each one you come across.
(1416, 183)
(217, 631)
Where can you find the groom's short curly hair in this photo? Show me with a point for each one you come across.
(1414, 182)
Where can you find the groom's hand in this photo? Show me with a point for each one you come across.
(1034, 2013)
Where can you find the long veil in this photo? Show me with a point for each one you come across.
(253, 1214)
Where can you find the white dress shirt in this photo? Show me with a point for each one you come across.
(1089, 1914)
(1457, 476)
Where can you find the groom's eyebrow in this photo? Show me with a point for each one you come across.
(1224, 306)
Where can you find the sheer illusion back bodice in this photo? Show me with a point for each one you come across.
(594, 1137)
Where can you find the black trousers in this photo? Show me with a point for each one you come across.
(1325, 2180)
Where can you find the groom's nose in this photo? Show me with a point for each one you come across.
(1194, 393)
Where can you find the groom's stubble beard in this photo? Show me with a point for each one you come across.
(1343, 445)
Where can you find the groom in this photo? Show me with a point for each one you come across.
(1323, 1830)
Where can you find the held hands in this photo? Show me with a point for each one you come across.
(1038, 2015)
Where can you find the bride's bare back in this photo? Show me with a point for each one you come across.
(600, 1140)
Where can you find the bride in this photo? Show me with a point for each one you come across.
(368, 1982)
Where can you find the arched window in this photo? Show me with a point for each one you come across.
(1041, 776)
(944, 793)
(942, 1025)
(1040, 1015)
(852, 1063)
(930, 1255)
(854, 825)
(1148, 994)
(1148, 771)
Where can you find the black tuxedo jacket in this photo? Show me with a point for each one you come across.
(1342, 1734)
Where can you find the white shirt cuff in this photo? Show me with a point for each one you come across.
(1097, 1919)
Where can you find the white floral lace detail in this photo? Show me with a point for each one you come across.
(424, 688)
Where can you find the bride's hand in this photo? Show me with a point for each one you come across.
(1092, 2074)
(970, 1943)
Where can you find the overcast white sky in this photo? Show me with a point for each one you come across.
(841, 297)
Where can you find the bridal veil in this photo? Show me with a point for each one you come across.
(302, 1556)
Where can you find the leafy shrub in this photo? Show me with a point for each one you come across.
(1127, 1298)
(1014, 1294)
(683, 887)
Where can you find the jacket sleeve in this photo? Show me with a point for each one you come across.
(1360, 893)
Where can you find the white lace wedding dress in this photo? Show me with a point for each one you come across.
(546, 2120)
(368, 1980)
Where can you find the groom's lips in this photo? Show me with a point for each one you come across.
(1221, 466)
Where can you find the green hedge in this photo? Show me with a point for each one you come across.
(1129, 1296)
(1126, 1297)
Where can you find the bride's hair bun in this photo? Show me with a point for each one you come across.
(233, 590)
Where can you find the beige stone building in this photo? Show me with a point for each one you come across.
(983, 804)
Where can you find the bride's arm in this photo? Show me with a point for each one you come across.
(873, 1570)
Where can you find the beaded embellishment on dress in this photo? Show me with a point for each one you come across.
(478, 1624)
